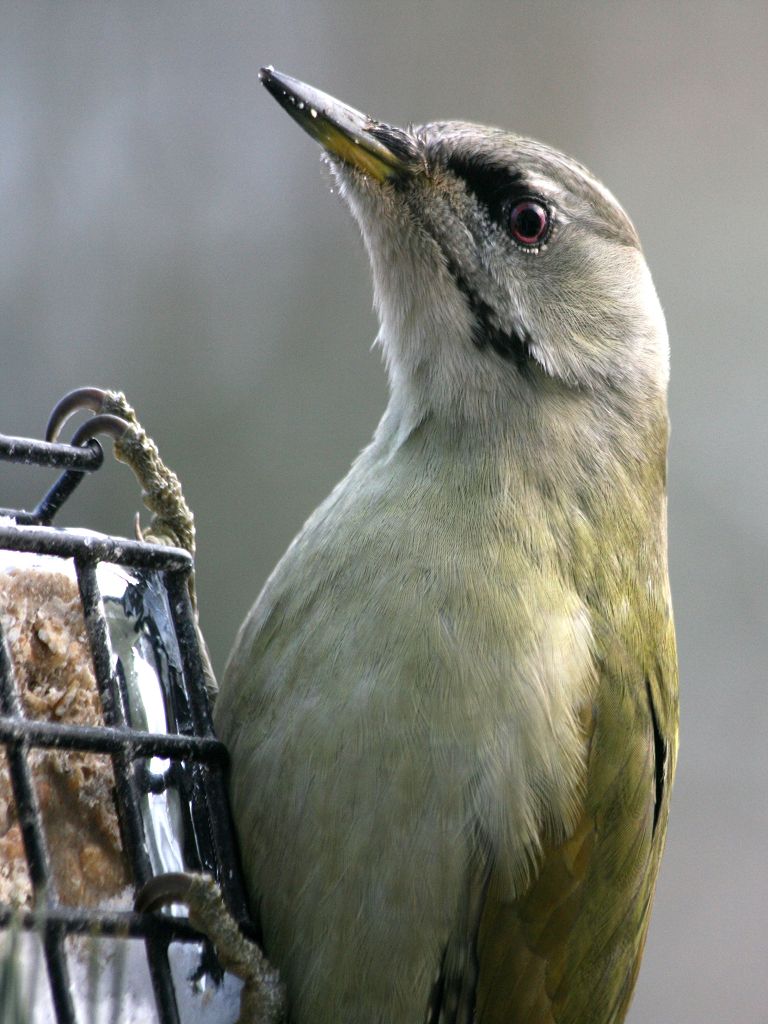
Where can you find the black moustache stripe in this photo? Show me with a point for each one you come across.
(510, 345)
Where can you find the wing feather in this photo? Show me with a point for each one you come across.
(569, 948)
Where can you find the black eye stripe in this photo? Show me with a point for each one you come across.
(493, 187)
(493, 182)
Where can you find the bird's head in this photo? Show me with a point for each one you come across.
(505, 274)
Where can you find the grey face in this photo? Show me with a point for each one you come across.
(501, 267)
(497, 242)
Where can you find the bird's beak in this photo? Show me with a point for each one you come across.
(376, 149)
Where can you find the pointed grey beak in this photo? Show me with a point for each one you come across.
(372, 147)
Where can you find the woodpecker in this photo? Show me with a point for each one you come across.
(452, 711)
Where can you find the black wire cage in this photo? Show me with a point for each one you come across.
(167, 766)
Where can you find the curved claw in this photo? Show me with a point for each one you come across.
(103, 424)
(162, 890)
(80, 398)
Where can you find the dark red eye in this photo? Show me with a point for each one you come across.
(529, 222)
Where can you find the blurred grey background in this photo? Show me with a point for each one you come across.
(167, 230)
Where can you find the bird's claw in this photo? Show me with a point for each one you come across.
(173, 522)
(163, 890)
(104, 423)
(262, 999)
(82, 398)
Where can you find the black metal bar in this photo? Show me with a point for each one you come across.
(35, 848)
(109, 923)
(21, 778)
(115, 717)
(183, 615)
(162, 979)
(53, 499)
(126, 787)
(50, 541)
(107, 740)
(20, 517)
(51, 502)
(222, 826)
(30, 452)
(197, 759)
(58, 972)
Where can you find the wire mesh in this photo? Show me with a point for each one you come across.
(191, 760)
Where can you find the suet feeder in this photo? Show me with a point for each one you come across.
(104, 712)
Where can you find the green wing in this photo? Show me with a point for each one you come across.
(568, 951)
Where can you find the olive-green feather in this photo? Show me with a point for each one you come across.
(570, 947)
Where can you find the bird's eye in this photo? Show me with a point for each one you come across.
(529, 222)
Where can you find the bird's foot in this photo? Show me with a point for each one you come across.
(172, 520)
(262, 1000)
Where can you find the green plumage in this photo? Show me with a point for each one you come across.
(452, 712)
